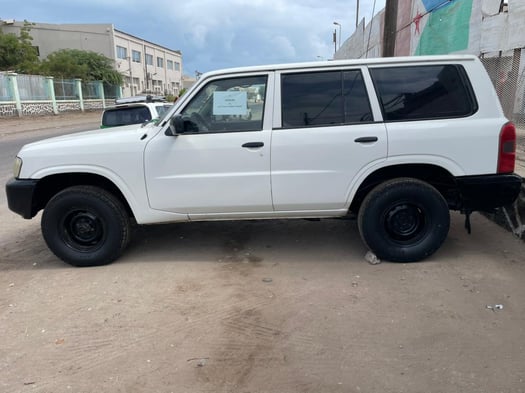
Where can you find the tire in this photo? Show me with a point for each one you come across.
(404, 220)
(85, 226)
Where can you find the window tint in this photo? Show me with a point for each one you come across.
(423, 92)
(124, 116)
(227, 105)
(324, 98)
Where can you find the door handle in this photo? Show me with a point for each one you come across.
(252, 145)
(366, 139)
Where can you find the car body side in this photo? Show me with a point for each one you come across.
(129, 157)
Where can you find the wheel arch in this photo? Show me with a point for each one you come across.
(50, 185)
(437, 176)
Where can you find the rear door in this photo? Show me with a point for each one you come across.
(326, 130)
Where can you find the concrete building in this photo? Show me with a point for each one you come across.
(147, 67)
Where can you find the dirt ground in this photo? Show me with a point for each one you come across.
(259, 307)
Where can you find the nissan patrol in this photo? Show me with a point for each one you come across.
(396, 142)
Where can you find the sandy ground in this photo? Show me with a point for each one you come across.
(260, 307)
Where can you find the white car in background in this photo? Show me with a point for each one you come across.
(134, 110)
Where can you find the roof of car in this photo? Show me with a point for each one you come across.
(339, 63)
(140, 98)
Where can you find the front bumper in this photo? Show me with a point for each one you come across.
(486, 192)
(21, 196)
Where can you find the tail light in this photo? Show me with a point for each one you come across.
(507, 148)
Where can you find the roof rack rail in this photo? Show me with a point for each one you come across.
(141, 98)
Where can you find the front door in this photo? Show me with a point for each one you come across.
(219, 166)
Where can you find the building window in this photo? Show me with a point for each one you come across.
(169, 64)
(177, 66)
(160, 62)
(149, 59)
(122, 53)
(135, 56)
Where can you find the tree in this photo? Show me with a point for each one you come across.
(16, 52)
(86, 65)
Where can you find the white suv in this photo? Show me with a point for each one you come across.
(397, 142)
(134, 110)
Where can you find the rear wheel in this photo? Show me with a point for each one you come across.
(404, 220)
(85, 226)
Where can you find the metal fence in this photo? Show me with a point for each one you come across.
(509, 84)
(90, 90)
(111, 91)
(5, 93)
(65, 89)
(32, 88)
(22, 95)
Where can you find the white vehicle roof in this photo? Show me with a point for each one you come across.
(349, 62)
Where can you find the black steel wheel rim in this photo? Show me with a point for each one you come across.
(83, 230)
(405, 222)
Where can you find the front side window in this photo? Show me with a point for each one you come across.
(177, 66)
(169, 64)
(423, 92)
(149, 59)
(160, 62)
(324, 98)
(227, 105)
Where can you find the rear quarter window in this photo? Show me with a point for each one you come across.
(423, 92)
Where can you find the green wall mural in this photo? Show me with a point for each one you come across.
(447, 29)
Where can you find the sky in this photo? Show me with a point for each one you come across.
(214, 34)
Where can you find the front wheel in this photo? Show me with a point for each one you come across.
(404, 220)
(85, 226)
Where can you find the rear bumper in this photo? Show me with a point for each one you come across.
(486, 192)
(20, 196)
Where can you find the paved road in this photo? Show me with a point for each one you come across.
(280, 306)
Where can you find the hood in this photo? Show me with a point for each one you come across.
(84, 137)
(110, 150)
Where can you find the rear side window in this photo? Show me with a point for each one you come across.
(324, 98)
(423, 92)
(125, 115)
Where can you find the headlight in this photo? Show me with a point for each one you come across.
(17, 167)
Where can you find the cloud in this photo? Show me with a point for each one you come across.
(214, 34)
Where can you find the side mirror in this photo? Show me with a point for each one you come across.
(176, 126)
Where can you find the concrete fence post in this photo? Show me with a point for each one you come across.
(51, 92)
(78, 83)
(13, 87)
(100, 88)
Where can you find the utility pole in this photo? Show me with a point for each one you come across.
(335, 41)
(389, 35)
(357, 15)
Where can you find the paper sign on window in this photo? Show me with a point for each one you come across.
(230, 103)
